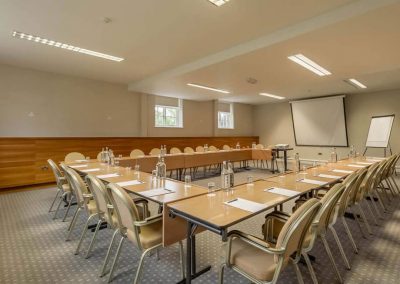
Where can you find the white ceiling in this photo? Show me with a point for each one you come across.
(167, 44)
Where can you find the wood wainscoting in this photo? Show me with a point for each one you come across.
(23, 161)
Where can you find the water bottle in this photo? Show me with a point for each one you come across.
(112, 158)
(205, 147)
(224, 176)
(333, 156)
(352, 152)
(102, 158)
(161, 168)
(237, 145)
(297, 163)
(231, 175)
(106, 156)
(253, 145)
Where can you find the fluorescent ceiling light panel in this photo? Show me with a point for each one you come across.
(356, 84)
(65, 46)
(208, 88)
(309, 64)
(272, 96)
(219, 2)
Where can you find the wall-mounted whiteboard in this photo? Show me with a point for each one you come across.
(319, 122)
(379, 131)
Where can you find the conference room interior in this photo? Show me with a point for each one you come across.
(201, 141)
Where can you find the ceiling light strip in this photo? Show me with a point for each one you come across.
(272, 96)
(357, 84)
(218, 3)
(309, 64)
(208, 88)
(65, 46)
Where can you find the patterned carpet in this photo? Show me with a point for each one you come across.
(33, 249)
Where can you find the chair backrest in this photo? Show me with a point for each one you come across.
(357, 186)
(212, 148)
(226, 147)
(175, 150)
(349, 182)
(100, 194)
(199, 149)
(124, 208)
(329, 205)
(259, 146)
(76, 183)
(292, 235)
(369, 181)
(155, 152)
(73, 156)
(57, 173)
(137, 153)
(188, 150)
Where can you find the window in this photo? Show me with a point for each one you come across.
(168, 116)
(225, 116)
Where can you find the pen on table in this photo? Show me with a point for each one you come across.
(230, 201)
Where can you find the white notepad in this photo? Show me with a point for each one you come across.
(108, 176)
(373, 160)
(355, 166)
(129, 182)
(78, 166)
(313, 181)
(343, 171)
(81, 161)
(91, 170)
(282, 191)
(246, 205)
(364, 163)
(329, 176)
(156, 192)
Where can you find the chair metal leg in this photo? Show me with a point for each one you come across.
(395, 184)
(359, 224)
(54, 200)
(84, 230)
(362, 214)
(371, 213)
(110, 276)
(339, 244)
(139, 269)
(107, 258)
(378, 196)
(69, 206)
(378, 213)
(298, 272)
(221, 273)
(58, 206)
(73, 222)
(94, 237)
(310, 268)
(182, 257)
(346, 227)
(73, 217)
(328, 251)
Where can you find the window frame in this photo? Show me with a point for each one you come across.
(229, 115)
(178, 117)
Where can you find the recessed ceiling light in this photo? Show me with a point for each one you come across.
(356, 83)
(219, 2)
(208, 88)
(272, 96)
(309, 64)
(65, 46)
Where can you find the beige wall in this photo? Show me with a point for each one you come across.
(64, 106)
(273, 123)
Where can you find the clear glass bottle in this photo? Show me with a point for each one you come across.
(231, 175)
(102, 158)
(112, 158)
(237, 145)
(205, 147)
(352, 152)
(297, 163)
(333, 156)
(224, 176)
(253, 145)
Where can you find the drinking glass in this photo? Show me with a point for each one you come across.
(211, 186)
(128, 169)
(87, 158)
(281, 179)
(137, 169)
(154, 175)
(250, 180)
(188, 181)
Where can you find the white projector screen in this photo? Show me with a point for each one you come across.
(320, 122)
(379, 131)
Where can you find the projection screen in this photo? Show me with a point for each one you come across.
(320, 122)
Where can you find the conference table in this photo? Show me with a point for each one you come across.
(218, 212)
(188, 211)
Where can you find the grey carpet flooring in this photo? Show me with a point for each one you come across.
(33, 248)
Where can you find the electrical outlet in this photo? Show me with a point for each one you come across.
(319, 154)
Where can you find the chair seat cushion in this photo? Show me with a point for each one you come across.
(92, 206)
(253, 261)
(66, 187)
(150, 235)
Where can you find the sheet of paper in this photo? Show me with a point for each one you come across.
(355, 166)
(156, 192)
(329, 176)
(282, 191)
(246, 205)
(375, 158)
(78, 166)
(91, 170)
(343, 171)
(81, 161)
(313, 181)
(129, 182)
(364, 163)
(108, 176)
